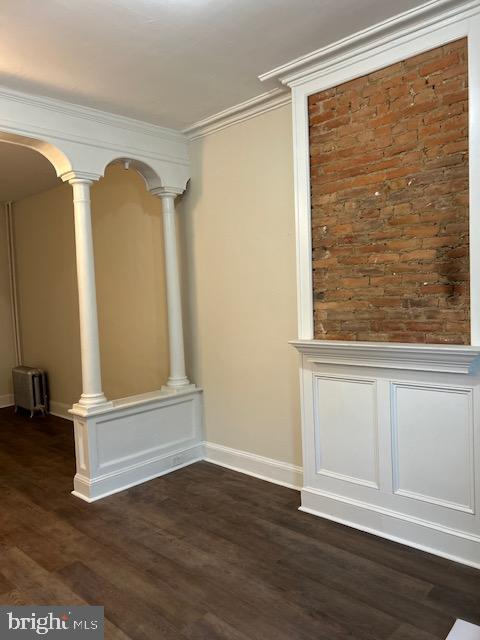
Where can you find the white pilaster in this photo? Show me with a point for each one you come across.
(92, 394)
(177, 380)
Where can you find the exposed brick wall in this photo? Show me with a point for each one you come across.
(389, 175)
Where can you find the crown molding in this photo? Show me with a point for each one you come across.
(427, 16)
(88, 113)
(160, 136)
(391, 355)
(243, 111)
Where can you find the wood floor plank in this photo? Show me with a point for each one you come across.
(408, 632)
(125, 608)
(208, 554)
(462, 605)
(210, 627)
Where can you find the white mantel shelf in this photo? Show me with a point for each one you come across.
(391, 355)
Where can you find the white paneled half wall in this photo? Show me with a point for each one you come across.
(389, 441)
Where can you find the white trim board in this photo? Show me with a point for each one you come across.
(130, 476)
(6, 400)
(282, 473)
(98, 116)
(391, 355)
(239, 113)
(385, 523)
(464, 631)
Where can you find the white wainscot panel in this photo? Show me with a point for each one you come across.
(346, 429)
(432, 433)
(134, 440)
(144, 433)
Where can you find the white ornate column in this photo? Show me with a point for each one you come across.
(92, 394)
(177, 380)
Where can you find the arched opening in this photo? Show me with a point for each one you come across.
(130, 278)
(129, 273)
(145, 427)
(56, 157)
(38, 318)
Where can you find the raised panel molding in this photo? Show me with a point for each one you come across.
(131, 438)
(134, 440)
(429, 456)
(346, 429)
(426, 485)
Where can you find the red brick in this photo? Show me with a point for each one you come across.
(389, 183)
(441, 62)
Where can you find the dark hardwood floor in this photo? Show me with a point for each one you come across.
(208, 554)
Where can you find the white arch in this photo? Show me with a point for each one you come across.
(84, 141)
(53, 154)
(156, 175)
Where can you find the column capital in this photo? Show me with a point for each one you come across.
(166, 192)
(80, 176)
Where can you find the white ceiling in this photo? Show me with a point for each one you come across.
(170, 62)
(23, 172)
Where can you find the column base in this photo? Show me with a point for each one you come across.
(92, 399)
(166, 388)
(84, 410)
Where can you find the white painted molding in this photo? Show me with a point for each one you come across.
(239, 113)
(91, 490)
(282, 473)
(6, 400)
(81, 139)
(391, 355)
(474, 169)
(393, 525)
(87, 113)
(425, 17)
(130, 402)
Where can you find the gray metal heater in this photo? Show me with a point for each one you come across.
(30, 389)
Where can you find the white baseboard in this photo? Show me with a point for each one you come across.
(60, 409)
(6, 401)
(420, 534)
(282, 473)
(110, 483)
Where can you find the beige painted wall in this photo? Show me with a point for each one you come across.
(240, 232)
(7, 349)
(130, 286)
